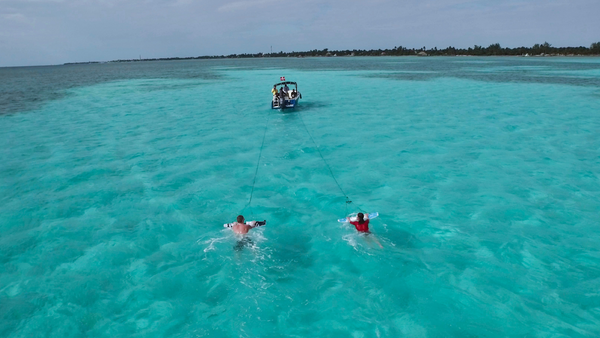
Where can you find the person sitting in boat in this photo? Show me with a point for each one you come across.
(294, 94)
(274, 90)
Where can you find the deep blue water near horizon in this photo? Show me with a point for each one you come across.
(115, 180)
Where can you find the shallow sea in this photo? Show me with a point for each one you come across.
(116, 179)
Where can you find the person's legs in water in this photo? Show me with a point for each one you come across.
(369, 237)
(246, 241)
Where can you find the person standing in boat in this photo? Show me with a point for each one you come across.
(282, 95)
(274, 90)
(286, 89)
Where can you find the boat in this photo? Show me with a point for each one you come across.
(290, 98)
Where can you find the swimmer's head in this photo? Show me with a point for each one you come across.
(240, 219)
(360, 215)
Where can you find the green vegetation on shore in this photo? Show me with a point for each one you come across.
(495, 49)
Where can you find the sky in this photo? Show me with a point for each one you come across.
(45, 32)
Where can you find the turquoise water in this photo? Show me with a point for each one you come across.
(115, 180)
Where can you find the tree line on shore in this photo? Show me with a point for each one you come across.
(544, 49)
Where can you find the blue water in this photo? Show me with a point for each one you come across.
(116, 179)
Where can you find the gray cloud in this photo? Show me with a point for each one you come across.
(57, 31)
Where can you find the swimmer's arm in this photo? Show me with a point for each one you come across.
(254, 224)
(366, 216)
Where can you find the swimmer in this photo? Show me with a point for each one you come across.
(240, 226)
(362, 225)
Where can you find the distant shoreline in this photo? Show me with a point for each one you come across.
(543, 50)
(302, 57)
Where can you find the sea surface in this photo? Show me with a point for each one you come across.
(116, 180)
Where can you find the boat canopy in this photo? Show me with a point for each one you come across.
(286, 82)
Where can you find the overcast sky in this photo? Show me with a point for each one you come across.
(41, 32)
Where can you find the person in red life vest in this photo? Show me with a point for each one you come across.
(362, 225)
